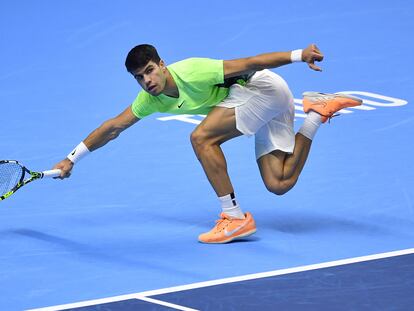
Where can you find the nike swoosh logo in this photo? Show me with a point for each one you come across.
(179, 106)
(73, 153)
(229, 233)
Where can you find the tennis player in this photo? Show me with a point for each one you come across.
(239, 97)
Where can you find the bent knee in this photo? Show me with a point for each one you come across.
(198, 138)
(200, 141)
(277, 190)
(279, 187)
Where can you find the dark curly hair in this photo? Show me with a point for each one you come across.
(140, 55)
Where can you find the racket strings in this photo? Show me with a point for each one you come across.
(10, 176)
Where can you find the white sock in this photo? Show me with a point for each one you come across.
(230, 207)
(311, 124)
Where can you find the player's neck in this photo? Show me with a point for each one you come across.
(171, 88)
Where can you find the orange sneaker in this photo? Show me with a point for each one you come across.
(228, 229)
(328, 104)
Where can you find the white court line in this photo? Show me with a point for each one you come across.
(230, 280)
(115, 299)
(163, 303)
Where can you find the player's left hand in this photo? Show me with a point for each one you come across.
(312, 54)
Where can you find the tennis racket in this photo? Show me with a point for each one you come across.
(13, 176)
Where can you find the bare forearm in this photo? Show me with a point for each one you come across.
(110, 129)
(236, 67)
(269, 60)
(102, 135)
(259, 62)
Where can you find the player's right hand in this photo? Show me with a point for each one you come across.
(65, 166)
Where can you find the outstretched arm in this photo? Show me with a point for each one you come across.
(241, 66)
(108, 131)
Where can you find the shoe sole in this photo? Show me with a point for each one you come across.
(232, 239)
(317, 94)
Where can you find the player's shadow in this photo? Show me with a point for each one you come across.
(135, 255)
(319, 223)
(253, 238)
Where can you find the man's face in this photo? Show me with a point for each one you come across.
(151, 77)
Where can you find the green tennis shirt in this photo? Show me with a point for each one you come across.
(196, 80)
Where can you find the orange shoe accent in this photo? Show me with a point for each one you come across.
(228, 229)
(328, 104)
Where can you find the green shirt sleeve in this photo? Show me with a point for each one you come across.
(142, 105)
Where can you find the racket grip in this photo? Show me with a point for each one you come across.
(52, 173)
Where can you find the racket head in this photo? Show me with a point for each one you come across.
(12, 177)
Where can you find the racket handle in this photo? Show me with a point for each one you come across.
(52, 173)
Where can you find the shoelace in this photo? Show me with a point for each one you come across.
(324, 102)
(333, 116)
(220, 221)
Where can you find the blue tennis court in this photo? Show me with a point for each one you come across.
(121, 233)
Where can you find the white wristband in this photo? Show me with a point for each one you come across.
(78, 153)
(296, 56)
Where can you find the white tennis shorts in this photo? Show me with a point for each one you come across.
(264, 107)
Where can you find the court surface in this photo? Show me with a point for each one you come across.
(121, 233)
